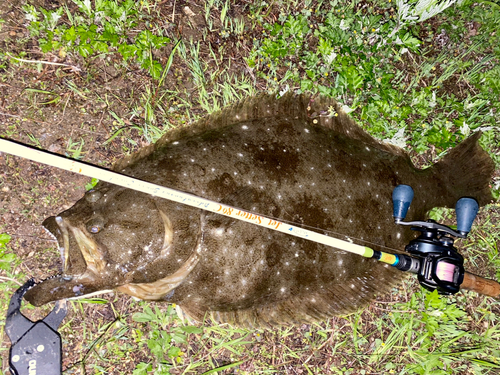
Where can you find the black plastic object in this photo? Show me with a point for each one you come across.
(441, 266)
(402, 195)
(466, 209)
(36, 346)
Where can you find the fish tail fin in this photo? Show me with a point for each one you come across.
(465, 171)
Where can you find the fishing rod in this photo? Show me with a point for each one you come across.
(432, 255)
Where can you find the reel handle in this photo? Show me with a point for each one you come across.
(402, 195)
(481, 285)
(466, 210)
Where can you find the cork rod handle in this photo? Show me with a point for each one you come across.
(481, 285)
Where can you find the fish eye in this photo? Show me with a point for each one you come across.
(95, 225)
(95, 229)
(93, 196)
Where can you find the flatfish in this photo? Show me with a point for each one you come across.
(297, 158)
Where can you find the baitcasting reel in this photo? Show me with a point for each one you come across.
(435, 260)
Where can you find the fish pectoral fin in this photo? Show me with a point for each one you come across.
(159, 288)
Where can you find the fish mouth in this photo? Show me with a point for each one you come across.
(81, 262)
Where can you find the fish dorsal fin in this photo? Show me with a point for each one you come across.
(317, 110)
(329, 114)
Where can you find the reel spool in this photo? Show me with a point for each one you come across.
(434, 258)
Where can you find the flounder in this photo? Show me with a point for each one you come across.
(299, 159)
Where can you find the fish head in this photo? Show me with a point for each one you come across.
(110, 238)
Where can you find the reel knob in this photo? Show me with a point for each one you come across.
(402, 195)
(466, 210)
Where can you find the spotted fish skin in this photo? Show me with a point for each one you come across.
(288, 158)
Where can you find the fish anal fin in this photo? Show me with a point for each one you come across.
(319, 305)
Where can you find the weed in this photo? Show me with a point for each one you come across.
(212, 94)
(10, 277)
(428, 334)
(228, 26)
(100, 29)
(355, 57)
(163, 338)
(91, 184)
(74, 149)
(53, 98)
(34, 140)
(6, 257)
(420, 10)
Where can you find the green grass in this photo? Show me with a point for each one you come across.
(428, 334)
(218, 88)
(390, 80)
(11, 278)
(98, 28)
(423, 85)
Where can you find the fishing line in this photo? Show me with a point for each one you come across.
(305, 226)
(58, 161)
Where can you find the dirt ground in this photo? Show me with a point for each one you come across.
(31, 192)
